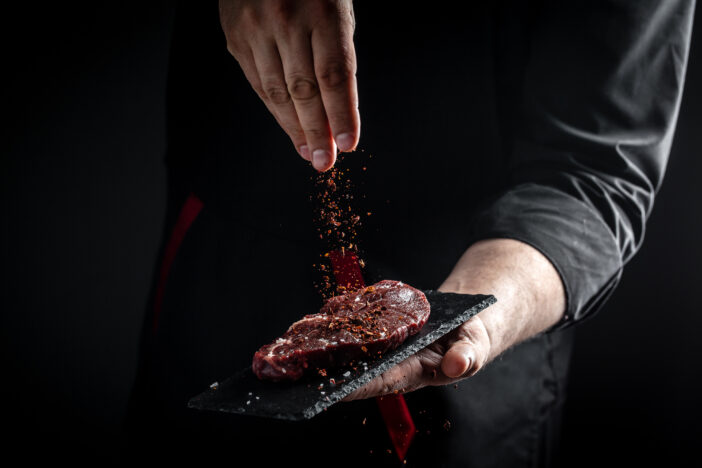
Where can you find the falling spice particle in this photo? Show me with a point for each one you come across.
(447, 425)
(364, 421)
(335, 219)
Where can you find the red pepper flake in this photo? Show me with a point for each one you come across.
(447, 425)
(332, 381)
(364, 349)
(322, 372)
(364, 423)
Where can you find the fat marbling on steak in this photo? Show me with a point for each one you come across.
(359, 324)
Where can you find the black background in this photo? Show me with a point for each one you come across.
(82, 203)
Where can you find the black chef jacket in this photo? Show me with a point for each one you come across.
(548, 122)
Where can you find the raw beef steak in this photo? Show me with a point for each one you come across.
(360, 324)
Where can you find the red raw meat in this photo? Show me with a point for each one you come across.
(360, 324)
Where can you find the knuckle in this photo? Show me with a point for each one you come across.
(315, 133)
(386, 385)
(334, 75)
(327, 7)
(285, 9)
(259, 90)
(297, 136)
(471, 331)
(276, 93)
(234, 48)
(302, 88)
(248, 15)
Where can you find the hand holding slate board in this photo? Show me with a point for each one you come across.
(244, 393)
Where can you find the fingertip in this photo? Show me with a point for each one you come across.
(322, 160)
(304, 151)
(346, 141)
(456, 363)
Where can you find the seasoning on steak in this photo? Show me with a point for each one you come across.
(359, 324)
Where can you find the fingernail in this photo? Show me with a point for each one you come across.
(305, 152)
(320, 159)
(469, 364)
(345, 141)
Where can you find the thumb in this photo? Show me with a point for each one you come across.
(469, 352)
(459, 360)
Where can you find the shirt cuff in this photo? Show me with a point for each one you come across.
(568, 232)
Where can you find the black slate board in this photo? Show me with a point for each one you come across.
(244, 393)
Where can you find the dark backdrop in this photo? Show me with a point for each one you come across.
(82, 202)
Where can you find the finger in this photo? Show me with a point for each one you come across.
(458, 360)
(468, 352)
(335, 68)
(296, 55)
(405, 377)
(248, 66)
(274, 92)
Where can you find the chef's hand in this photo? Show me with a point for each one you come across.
(458, 356)
(299, 58)
(530, 299)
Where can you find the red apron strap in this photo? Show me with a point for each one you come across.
(393, 408)
(191, 208)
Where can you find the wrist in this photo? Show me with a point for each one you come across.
(530, 294)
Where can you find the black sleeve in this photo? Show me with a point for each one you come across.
(600, 99)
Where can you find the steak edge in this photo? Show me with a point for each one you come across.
(361, 324)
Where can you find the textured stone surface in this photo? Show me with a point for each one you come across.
(245, 394)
